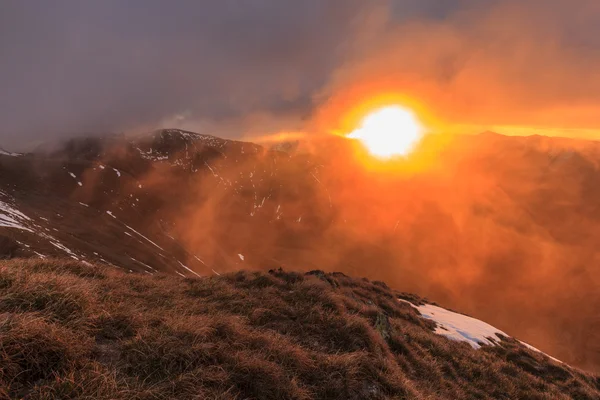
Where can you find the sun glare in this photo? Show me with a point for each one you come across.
(389, 131)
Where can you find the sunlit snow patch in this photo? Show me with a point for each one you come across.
(463, 328)
(459, 327)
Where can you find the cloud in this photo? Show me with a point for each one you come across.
(75, 67)
(85, 67)
(484, 63)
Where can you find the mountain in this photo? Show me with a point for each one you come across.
(73, 330)
(502, 228)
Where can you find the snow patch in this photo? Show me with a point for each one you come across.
(144, 264)
(133, 230)
(200, 260)
(459, 327)
(463, 328)
(8, 153)
(530, 347)
(187, 269)
(75, 177)
(61, 246)
(10, 217)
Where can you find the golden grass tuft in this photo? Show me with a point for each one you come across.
(70, 330)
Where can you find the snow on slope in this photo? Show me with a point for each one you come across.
(10, 217)
(530, 347)
(459, 327)
(8, 153)
(462, 328)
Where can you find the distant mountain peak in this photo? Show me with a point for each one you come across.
(490, 133)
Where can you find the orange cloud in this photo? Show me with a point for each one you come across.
(530, 65)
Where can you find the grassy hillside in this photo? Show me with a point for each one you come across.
(503, 228)
(73, 330)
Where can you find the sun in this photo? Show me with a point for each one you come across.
(389, 132)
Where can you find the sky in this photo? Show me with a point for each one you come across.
(239, 68)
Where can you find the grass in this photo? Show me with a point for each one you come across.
(75, 331)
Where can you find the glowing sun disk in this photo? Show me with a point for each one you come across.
(389, 131)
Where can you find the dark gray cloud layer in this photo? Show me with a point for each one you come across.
(76, 67)
(71, 66)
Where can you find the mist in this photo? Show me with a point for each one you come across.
(502, 229)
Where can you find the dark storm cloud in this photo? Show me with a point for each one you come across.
(77, 67)
(70, 66)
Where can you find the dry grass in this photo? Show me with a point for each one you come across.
(69, 330)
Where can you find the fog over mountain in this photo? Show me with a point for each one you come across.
(502, 228)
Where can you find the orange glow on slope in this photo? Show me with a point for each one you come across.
(389, 131)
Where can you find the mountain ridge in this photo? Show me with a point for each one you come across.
(475, 231)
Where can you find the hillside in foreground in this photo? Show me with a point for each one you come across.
(71, 329)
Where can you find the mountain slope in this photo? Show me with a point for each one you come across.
(503, 228)
(73, 330)
(129, 194)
